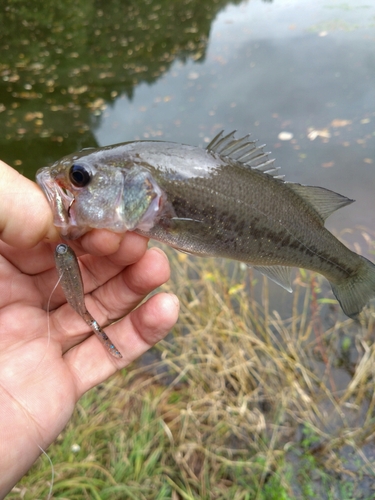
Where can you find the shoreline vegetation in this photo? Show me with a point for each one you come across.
(237, 402)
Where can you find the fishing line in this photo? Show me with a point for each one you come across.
(48, 321)
(48, 343)
(48, 308)
(49, 496)
(52, 471)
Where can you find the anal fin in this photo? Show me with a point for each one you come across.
(279, 274)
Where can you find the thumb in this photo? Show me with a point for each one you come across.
(25, 215)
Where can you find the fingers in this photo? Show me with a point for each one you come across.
(31, 260)
(95, 270)
(113, 300)
(98, 270)
(126, 290)
(101, 242)
(90, 364)
(20, 197)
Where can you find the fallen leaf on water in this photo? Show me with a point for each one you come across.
(57, 107)
(340, 123)
(45, 133)
(106, 75)
(98, 104)
(368, 160)
(31, 116)
(285, 136)
(77, 90)
(27, 95)
(314, 133)
(328, 164)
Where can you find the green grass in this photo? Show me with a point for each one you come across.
(237, 404)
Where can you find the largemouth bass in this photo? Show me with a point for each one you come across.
(72, 285)
(227, 200)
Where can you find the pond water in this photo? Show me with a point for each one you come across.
(299, 75)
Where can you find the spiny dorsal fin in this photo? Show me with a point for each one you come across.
(323, 200)
(244, 151)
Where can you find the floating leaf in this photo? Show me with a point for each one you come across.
(285, 136)
(314, 133)
(340, 123)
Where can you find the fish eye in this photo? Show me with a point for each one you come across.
(78, 175)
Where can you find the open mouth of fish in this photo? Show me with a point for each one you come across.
(61, 200)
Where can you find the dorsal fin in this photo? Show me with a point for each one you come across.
(244, 151)
(323, 200)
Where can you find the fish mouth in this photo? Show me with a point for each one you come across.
(60, 200)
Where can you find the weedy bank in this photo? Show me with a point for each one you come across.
(238, 402)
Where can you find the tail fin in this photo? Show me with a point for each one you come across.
(354, 293)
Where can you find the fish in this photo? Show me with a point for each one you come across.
(227, 200)
(72, 285)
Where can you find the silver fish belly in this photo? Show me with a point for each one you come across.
(72, 285)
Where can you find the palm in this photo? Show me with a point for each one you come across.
(48, 361)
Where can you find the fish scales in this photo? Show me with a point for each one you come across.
(242, 218)
(227, 201)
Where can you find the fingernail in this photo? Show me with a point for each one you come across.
(175, 299)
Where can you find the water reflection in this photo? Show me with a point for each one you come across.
(63, 62)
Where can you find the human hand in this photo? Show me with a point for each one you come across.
(44, 372)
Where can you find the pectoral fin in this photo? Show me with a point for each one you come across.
(193, 234)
